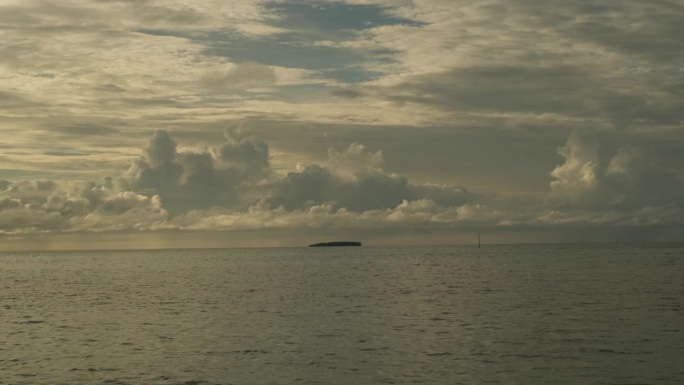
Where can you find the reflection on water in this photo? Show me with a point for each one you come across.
(431, 315)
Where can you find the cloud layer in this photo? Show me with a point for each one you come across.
(231, 186)
(363, 114)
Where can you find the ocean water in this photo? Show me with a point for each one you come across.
(546, 314)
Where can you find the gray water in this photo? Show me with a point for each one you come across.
(553, 314)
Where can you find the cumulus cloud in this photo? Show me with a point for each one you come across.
(424, 214)
(28, 190)
(75, 209)
(237, 173)
(578, 177)
(486, 101)
(231, 186)
(245, 151)
(353, 179)
(220, 175)
(353, 159)
(627, 178)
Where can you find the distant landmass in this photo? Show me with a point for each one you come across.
(343, 243)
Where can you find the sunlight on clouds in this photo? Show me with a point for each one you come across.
(525, 114)
(354, 158)
(626, 178)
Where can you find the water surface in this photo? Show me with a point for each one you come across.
(561, 314)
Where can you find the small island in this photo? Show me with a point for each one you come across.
(342, 243)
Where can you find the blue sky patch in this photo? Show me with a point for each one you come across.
(332, 21)
(307, 24)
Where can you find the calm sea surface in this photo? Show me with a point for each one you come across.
(552, 314)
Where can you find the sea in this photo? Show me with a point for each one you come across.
(500, 314)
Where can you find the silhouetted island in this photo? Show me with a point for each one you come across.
(345, 243)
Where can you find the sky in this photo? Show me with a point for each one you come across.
(249, 123)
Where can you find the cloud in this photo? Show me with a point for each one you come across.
(219, 175)
(630, 27)
(157, 170)
(53, 208)
(501, 89)
(168, 187)
(627, 178)
(347, 93)
(612, 62)
(423, 214)
(81, 130)
(231, 186)
(372, 98)
(310, 185)
(353, 159)
(439, 60)
(28, 190)
(237, 173)
(116, 15)
(161, 149)
(245, 151)
(239, 76)
(353, 180)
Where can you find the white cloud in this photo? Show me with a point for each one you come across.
(577, 177)
(169, 188)
(79, 209)
(84, 81)
(594, 177)
(246, 75)
(408, 213)
(355, 158)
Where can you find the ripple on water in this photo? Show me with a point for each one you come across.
(386, 315)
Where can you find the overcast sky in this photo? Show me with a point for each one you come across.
(217, 123)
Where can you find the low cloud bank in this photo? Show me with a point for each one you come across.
(626, 178)
(232, 186)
